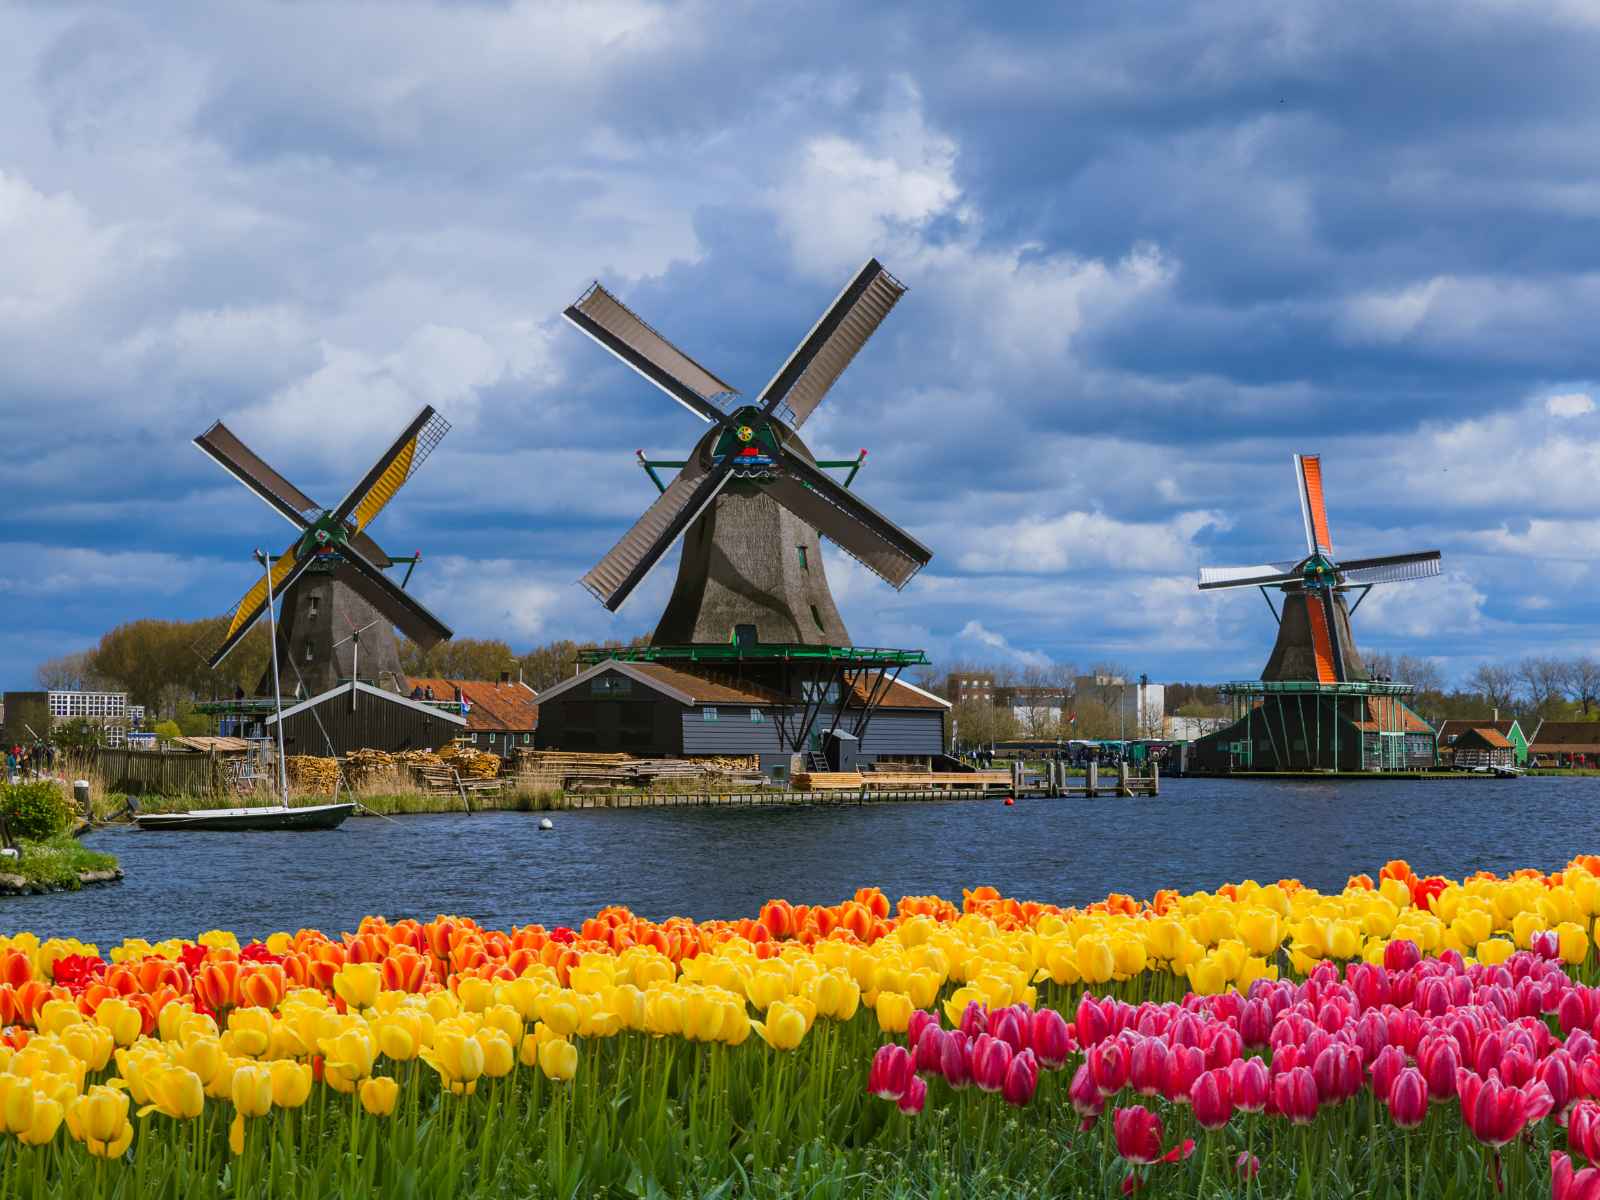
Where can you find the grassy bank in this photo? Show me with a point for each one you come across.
(58, 863)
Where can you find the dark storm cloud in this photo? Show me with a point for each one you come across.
(1153, 249)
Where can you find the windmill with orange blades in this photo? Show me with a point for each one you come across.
(1314, 638)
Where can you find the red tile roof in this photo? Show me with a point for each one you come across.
(1454, 728)
(1386, 714)
(1567, 737)
(709, 686)
(1490, 735)
(494, 707)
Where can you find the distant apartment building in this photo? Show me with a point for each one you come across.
(1139, 705)
(26, 712)
(966, 686)
(1030, 705)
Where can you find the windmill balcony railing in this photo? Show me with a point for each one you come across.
(733, 652)
(1256, 687)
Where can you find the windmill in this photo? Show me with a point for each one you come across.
(331, 575)
(751, 499)
(1314, 638)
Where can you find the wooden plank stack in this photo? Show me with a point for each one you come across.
(311, 775)
(470, 763)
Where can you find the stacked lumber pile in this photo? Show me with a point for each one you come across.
(827, 781)
(470, 763)
(418, 758)
(362, 767)
(317, 776)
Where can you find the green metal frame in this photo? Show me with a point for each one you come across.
(1266, 699)
(852, 465)
(759, 652)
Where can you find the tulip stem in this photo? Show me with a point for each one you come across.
(1406, 1138)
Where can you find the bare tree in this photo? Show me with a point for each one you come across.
(70, 672)
(1380, 665)
(1496, 684)
(1543, 682)
(1420, 673)
(1583, 683)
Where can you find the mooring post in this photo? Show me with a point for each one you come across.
(1016, 775)
(1123, 786)
(1091, 778)
(1155, 778)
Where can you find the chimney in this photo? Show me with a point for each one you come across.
(505, 678)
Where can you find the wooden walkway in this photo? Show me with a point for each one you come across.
(833, 797)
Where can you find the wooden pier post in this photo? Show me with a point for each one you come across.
(1123, 787)
(1155, 778)
(1091, 778)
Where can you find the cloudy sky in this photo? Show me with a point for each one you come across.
(1152, 251)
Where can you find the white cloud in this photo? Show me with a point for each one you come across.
(68, 572)
(1083, 540)
(1570, 404)
(975, 633)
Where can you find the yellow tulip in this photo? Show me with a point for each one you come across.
(735, 1030)
(703, 1014)
(16, 1103)
(1261, 930)
(92, 1044)
(1395, 892)
(291, 1083)
(57, 1015)
(504, 1018)
(560, 1013)
(99, 1119)
(474, 994)
(627, 1002)
(558, 1059)
(46, 1119)
(358, 984)
(249, 1032)
(124, 1021)
(202, 1055)
(663, 1012)
(785, 1025)
(136, 1069)
(894, 1011)
(347, 1059)
(1472, 926)
(956, 1006)
(499, 1056)
(1494, 951)
(1573, 941)
(1208, 977)
(458, 1059)
(1523, 926)
(175, 1092)
(923, 986)
(378, 1095)
(1096, 962)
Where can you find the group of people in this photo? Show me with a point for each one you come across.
(426, 693)
(23, 760)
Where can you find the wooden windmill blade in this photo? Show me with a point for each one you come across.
(285, 569)
(1391, 568)
(624, 567)
(848, 521)
(614, 325)
(824, 353)
(1259, 575)
(398, 607)
(1313, 510)
(397, 464)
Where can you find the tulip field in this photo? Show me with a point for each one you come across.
(1404, 1037)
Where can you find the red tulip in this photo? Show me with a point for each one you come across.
(1558, 1074)
(1212, 1098)
(1255, 1023)
(974, 1020)
(1005, 1026)
(1407, 1097)
(1085, 1095)
(1108, 1064)
(955, 1059)
(1390, 1062)
(1439, 1059)
(1250, 1082)
(1583, 1129)
(1138, 1133)
(1147, 1066)
(1022, 1077)
(1222, 1045)
(1401, 955)
(1567, 1184)
(929, 1048)
(1093, 1022)
(1496, 1113)
(1051, 1039)
(1184, 1065)
(919, 1020)
(1337, 1071)
(1247, 1165)
(914, 1097)
(990, 1059)
(892, 1071)
(1294, 1095)
(1576, 1009)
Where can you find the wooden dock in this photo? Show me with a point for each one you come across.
(831, 797)
(1060, 779)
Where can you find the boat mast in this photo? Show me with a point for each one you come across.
(277, 694)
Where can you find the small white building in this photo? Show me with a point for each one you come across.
(1140, 704)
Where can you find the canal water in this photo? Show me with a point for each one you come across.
(501, 869)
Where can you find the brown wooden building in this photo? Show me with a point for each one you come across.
(358, 716)
(501, 715)
(1565, 744)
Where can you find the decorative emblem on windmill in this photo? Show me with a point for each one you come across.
(1314, 638)
(751, 499)
(331, 576)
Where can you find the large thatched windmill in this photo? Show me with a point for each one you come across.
(1316, 706)
(750, 499)
(337, 602)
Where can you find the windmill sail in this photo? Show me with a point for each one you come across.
(1308, 471)
(620, 330)
(379, 485)
(284, 571)
(826, 351)
(400, 609)
(223, 446)
(630, 560)
(849, 522)
(1394, 568)
(1256, 576)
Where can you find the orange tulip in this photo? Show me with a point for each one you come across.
(262, 986)
(16, 968)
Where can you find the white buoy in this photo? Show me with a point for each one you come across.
(546, 823)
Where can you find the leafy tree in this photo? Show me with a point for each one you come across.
(77, 734)
(167, 730)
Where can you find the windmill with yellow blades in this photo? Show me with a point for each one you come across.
(331, 577)
(1316, 706)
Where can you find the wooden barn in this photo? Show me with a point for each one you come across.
(1451, 730)
(358, 716)
(1483, 746)
(652, 709)
(1565, 744)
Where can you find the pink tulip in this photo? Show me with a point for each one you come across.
(1390, 1062)
(1108, 1064)
(920, 1019)
(1545, 944)
(1139, 1133)
(1401, 955)
(914, 1097)
(1005, 1026)
(1247, 1165)
(1407, 1097)
(1583, 1129)
(1022, 1078)
(1092, 1023)
(1255, 1023)
(1212, 1099)
(1337, 1071)
(1567, 1184)
(1250, 1083)
(1295, 1096)
(1051, 1040)
(1495, 1113)
(955, 1059)
(1085, 1096)
(929, 1048)
(1439, 1059)
(1147, 1066)
(892, 1069)
(974, 1020)
(990, 1059)
(1184, 1065)
(1222, 1045)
